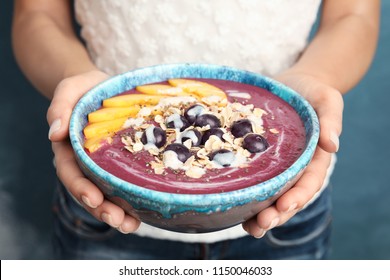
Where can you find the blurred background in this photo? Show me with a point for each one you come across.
(361, 181)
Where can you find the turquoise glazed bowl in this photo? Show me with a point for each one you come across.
(190, 213)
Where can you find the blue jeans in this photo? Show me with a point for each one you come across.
(77, 235)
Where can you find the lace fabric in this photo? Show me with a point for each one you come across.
(262, 36)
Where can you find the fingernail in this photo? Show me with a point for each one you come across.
(87, 201)
(122, 230)
(106, 218)
(260, 233)
(335, 140)
(292, 207)
(54, 127)
(274, 222)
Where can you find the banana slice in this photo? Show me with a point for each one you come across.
(103, 128)
(107, 114)
(201, 89)
(128, 100)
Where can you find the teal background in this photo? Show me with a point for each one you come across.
(361, 189)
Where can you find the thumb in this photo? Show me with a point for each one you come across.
(66, 95)
(330, 115)
(59, 112)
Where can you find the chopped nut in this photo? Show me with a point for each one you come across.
(213, 143)
(258, 129)
(159, 119)
(155, 164)
(243, 152)
(195, 172)
(144, 112)
(175, 101)
(138, 136)
(189, 162)
(228, 146)
(197, 163)
(158, 167)
(174, 110)
(127, 140)
(154, 151)
(257, 112)
(195, 166)
(212, 100)
(216, 145)
(171, 137)
(188, 143)
(159, 170)
(204, 128)
(163, 126)
(145, 126)
(228, 138)
(202, 153)
(238, 141)
(195, 149)
(138, 147)
(236, 106)
(131, 122)
(170, 130)
(204, 161)
(129, 148)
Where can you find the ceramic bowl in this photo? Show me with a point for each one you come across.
(190, 213)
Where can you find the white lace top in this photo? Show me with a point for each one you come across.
(260, 35)
(264, 36)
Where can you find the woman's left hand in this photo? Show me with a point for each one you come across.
(328, 104)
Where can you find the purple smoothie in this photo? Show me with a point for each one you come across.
(285, 147)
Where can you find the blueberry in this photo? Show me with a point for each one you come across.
(192, 134)
(213, 131)
(182, 152)
(241, 128)
(154, 135)
(255, 143)
(207, 119)
(193, 112)
(222, 157)
(177, 121)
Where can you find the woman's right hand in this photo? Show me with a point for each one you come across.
(66, 95)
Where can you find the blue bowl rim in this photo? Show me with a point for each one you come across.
(233, 198)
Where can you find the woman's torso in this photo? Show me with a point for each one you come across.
(264, 36)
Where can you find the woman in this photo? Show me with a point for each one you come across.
(269, 37)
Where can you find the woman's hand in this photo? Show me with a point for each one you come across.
(327, 68)
(66, 95)
(328, 104)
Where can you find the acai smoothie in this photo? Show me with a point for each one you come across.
(195, 136)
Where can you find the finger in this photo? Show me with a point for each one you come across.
(267, 220)
(263, 221)
(65, 97)
(60, 109)
(114, 216)
(129, 224)
(253, 228)
(308, 185)
(294, 199)
(109, 213)
(73, 179)
(87, 193)
(329, 108)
